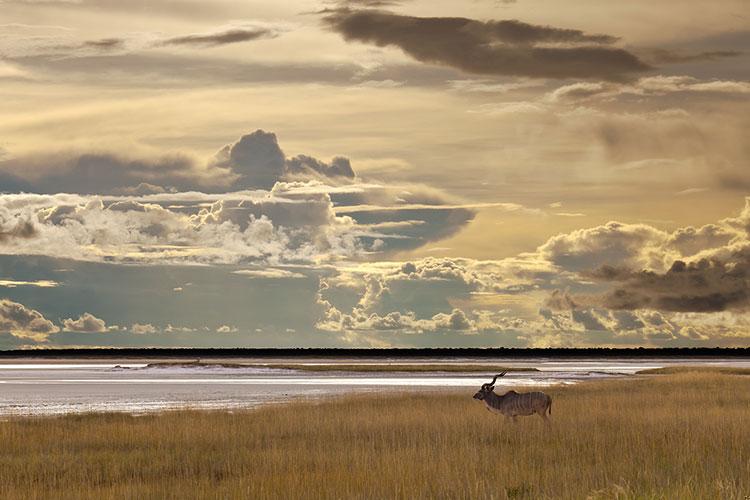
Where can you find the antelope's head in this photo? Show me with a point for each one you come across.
(487, 388)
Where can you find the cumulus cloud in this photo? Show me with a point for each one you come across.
(227, 329)
(706, 285)
(259, 162)
(506, 47)
(86, 323)
(615, 284)
(705, 269)
(173, 210)
(285, 225)
(23, 322)
(143, 328)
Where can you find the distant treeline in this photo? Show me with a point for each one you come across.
(639, 352)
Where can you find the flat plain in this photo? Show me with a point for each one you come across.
(683, 435)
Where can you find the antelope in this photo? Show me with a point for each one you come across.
(512, 404)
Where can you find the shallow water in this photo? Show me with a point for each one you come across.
(79, 386)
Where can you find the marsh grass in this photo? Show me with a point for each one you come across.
(679, 436)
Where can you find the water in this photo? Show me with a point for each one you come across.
(79, 386)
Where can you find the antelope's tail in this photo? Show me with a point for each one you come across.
(549, 406)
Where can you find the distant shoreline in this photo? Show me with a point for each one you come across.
(555, 353)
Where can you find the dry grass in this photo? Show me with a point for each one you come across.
(346, 367)
(672, 370)
(679, 436)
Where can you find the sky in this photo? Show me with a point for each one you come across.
(374, 173)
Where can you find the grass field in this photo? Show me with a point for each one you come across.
(676, 436)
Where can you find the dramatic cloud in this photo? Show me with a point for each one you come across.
(704, 269)
(86, 323)
(506, 47)
(255, 161)
(259, 162)
(23, 322)
(626, 283)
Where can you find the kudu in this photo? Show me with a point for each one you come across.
(512, 404)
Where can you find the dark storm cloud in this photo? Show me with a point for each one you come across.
(708, 285)
(507, 47)
(224, 37)
(259, 162)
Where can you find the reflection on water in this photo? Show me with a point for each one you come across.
(76, 387)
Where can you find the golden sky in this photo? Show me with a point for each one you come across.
(489, 172)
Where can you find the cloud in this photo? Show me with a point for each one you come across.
(143, 329)
(293, 223)
(255, 161)
(633, 245)
(259, 162)
(104, 43)
(506, 47)
(23, 322)
(223, 36)
(658, 85)
(67, 45)
(86, 323)
(615, 284)
(172, 209)
(665, 56)
(8, 70)
(37, 283)
(96, 173)
(269, 273)
(227, 329)
(705, 269)
(707, 285)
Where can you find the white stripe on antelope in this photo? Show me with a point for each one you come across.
(513, 404)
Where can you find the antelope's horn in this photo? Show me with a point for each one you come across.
(497, 377)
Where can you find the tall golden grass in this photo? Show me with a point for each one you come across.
(673, 436)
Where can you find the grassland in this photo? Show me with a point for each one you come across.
(673, 436)
(353, 367)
